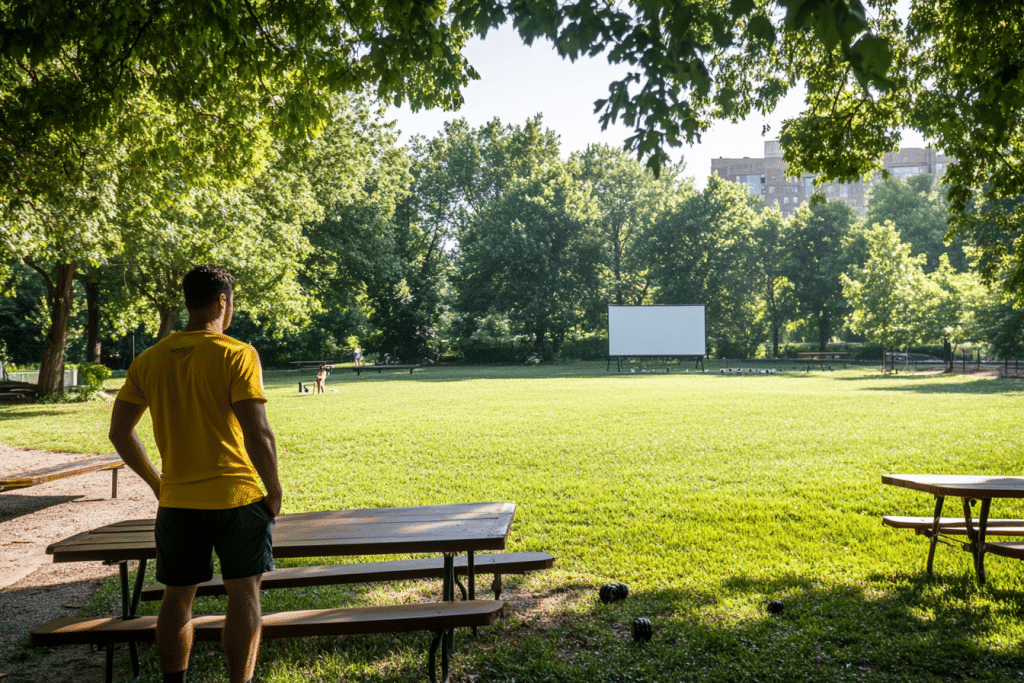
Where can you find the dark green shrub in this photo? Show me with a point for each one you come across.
(91, 378)
(590, 347)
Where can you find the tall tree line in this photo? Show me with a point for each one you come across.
(488, 244)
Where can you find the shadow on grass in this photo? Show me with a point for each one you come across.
(885, 627)
(23, 412)
(935, 384)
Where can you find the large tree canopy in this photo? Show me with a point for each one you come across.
(235, 68)
(66, 64)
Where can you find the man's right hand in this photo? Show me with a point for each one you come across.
(272, 502)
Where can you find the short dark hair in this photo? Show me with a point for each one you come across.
(204, 284)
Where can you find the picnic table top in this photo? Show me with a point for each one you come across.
(822, 354)
(459, 527)
(43, 475)
(959, 485)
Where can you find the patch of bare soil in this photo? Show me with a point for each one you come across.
(34, 590)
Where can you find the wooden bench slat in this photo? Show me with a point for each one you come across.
(395, 570)
(434, 616)
(46, 474)
(1011, 550)
(956, 525)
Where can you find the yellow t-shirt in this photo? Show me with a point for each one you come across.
(188, 381)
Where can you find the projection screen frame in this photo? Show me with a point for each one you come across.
(684, 346)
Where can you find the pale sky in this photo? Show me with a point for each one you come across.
(517, 82)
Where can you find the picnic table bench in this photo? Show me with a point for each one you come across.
(16, 392)
(824, 355)
(436, 617)
(380, 368)
(377, 572)
(112, 462)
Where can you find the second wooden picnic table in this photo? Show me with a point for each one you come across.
(968, 488)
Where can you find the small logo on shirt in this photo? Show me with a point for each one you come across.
(183, 350)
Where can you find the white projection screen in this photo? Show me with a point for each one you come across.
(656, 331)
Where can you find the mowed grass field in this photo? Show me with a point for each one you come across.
(708, 495)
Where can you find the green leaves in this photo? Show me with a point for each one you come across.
(871, 59)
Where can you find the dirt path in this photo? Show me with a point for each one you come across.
(34, 590)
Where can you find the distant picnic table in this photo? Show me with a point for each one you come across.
(381, 368)
(303, 364)
(824, 355)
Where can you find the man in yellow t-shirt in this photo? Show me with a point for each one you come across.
(204, 391)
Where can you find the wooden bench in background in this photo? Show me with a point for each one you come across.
(17, 392)
(22, 480)
(360, 369)
(394, 570)
(437, 617)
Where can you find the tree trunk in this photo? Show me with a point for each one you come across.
(93, 343)
(167, 318)
(824, 331)
(51, 370)
(775, 340)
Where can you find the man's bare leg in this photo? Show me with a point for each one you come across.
(242, 626)
(174, 628)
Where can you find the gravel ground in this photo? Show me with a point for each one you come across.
(34, 590)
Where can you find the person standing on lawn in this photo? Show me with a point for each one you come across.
(204, 391)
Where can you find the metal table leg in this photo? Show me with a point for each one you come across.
(129, 609)
(986, 503)
(935, 532)
(448, 595)
(975, 545)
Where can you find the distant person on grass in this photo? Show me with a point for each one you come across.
(357, 356)
(204, 391)
(321, 377)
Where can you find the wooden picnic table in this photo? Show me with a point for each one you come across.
(446, 529)
(968, 488)
(380, 368)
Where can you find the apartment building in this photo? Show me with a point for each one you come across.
(766, 177)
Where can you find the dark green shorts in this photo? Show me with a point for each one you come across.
(186, 539)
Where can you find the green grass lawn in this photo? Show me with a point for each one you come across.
(708, 495)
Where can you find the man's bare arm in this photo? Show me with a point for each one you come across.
(261, 446)
(128, 445)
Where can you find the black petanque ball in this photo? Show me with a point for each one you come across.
(776, 606)
(642, 630)
(621, 591)
(606, 593)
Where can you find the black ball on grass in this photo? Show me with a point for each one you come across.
(642, 630)
(776, 607)
(606, 593)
